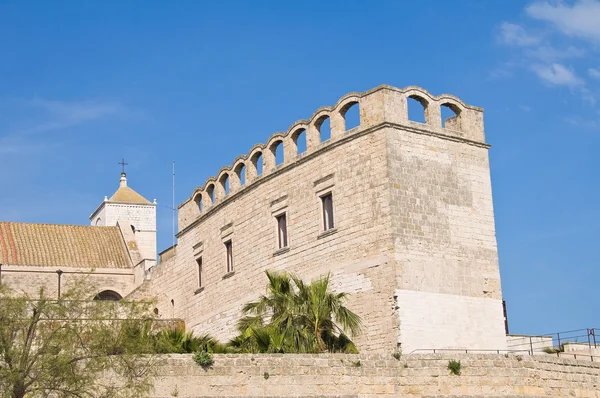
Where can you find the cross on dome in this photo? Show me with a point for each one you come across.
(123, 164)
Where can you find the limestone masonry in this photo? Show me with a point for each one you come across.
(399, 212)
(351, 376)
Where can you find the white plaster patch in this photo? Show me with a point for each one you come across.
(437, 321)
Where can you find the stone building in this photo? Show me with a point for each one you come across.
(398, 212)
(114, 253)
(130, 208)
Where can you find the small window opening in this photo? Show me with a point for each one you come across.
(257, 161)
(225, 183)
(327, 201)
(211, 193)
(450, 116)
(324, 127)
(241, 173)
(416, 109)
(98, 221)
(300, 140)
(155, 311)
(199, 263)
(352, 116)
(198, 200)
(172, 308)
(278, 152)
(229, 251)
(282, 238)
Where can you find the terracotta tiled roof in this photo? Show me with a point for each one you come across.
(128, 195)
(62, 245)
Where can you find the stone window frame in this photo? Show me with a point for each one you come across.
(227, 240)
(229, 256)
(198, 257)
(282, 230)
(279, 207)
(327, 211)
(324, 187)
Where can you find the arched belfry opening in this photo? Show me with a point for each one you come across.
(108, 295)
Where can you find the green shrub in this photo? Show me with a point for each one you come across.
(454, 367)
(204, 359)
(397, 355)
(554, 350)
(266, 375)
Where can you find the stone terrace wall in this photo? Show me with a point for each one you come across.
(29, 279)
(339, 375)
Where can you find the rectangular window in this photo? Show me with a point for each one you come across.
(282, 231)
(327, 211)
(199, 262)
(229, 249)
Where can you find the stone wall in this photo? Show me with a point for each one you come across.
(142, 217)
(29, 279)
(339, 375)
(414, 238)
(354, 252)
(448, 279)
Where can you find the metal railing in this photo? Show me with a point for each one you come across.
(585, 343)
(551, 342)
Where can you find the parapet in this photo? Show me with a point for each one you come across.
(383, 105)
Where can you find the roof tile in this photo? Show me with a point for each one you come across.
(62, 245)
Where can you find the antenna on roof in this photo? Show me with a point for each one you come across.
(173, 204)
(172, 207)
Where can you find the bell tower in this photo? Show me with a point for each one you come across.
(129, 208)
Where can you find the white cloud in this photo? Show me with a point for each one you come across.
(62, 114)
(513, 34)
(594, 72)
(557, 74)
(548, 53)
(582, 19)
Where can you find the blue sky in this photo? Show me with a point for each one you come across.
(83, 84)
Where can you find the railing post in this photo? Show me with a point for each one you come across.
(531, 345)
(558, 337)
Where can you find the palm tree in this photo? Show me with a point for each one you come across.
(177, 340)
(297, 317)
(323, 310)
